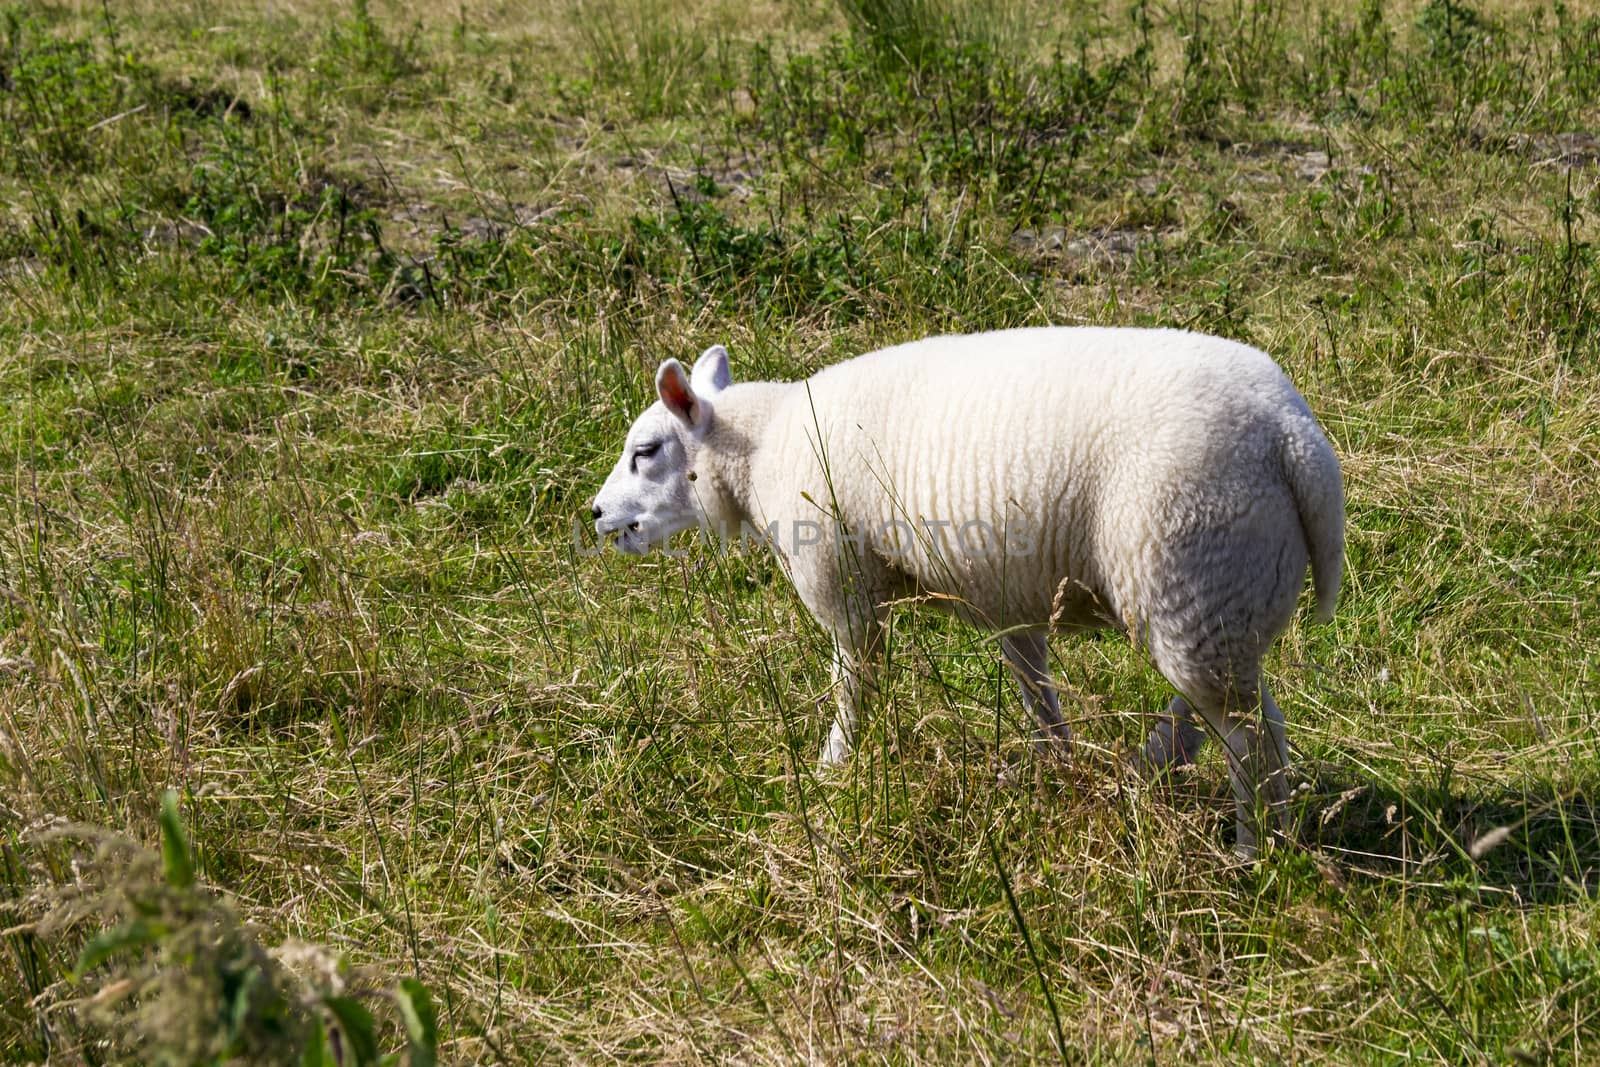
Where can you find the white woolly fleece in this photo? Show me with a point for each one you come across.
(1174, 481)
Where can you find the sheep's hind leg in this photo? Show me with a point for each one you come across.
(1174, 742)
(1258, 762)
(1028, 654)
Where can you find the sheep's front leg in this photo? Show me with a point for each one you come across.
(1028, 654)
(855, 676)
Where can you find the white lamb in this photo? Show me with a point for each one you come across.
(1168, 484)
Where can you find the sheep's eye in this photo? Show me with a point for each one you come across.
(643, 452)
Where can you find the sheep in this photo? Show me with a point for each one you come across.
(1168, 484)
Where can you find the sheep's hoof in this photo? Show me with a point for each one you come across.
(835, 754)
(1172, 744)
(1248, 846)
(1053, 745)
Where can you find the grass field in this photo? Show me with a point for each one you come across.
(320, 323)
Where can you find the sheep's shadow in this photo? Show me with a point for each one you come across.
(1537, 845)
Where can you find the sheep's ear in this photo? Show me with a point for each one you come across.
(710, 375)
(672, 384)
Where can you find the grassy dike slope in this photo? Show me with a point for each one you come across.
(320, 322)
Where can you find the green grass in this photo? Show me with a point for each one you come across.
(320, 322)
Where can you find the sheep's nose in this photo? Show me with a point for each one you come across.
(595, 512)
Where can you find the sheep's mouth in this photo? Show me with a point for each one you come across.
(613, 534)
(650, 530)
(628, 539)
(632, 541)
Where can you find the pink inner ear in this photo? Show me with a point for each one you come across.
(676, 394)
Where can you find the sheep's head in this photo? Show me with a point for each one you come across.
(650, 494)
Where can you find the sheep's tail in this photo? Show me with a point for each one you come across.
(1314, 480)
